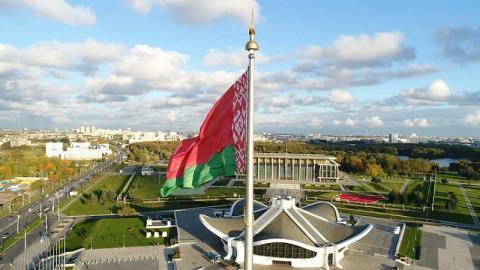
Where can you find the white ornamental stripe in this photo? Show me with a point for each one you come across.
(239, 122)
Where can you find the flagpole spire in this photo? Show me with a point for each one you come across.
(251, 47)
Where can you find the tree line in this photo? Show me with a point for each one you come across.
(151, 151)
(372, 161)
(376, 160)
(31, 161)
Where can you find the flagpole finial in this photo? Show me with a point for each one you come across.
(251, 45)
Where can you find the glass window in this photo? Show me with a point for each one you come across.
(283, 250)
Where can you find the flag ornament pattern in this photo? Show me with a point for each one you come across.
(239, 127)
(219, 149)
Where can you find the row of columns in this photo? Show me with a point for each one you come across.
(329, 171)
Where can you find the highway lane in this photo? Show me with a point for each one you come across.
(49, 203)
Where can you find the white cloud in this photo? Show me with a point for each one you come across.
(83, 56)
(419, 122)
(340, 97)
(422, 122)
(473, 118)
(348, 122)
(171, 116)
(316, 122)
(148, 63)
(408, 123)
(96, 51)
(59, 10)
(436, 91)
(140, 6)
(195, 12)
(363, 49)
(279, 101)
(235, 58)
(374, 121)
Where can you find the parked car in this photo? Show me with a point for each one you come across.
(5, 235)
(214, 257)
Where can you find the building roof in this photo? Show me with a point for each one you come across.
(314, 225)
(238, 207)
(292, 155)
(323, 209)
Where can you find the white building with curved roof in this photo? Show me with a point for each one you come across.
(312, 236)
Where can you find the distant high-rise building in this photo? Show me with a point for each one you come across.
(413, 138)
(393, 138)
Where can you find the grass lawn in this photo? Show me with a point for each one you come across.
(459, 214)
(224, 191)
(412, 238)
(221, 182)
(107, 182)
(321, 195)
(453, 177)
(358, 188)
(173, 205)
(146, 186)
(393, 185)
(113, 233)
(379, 187)
(238, 184)
(259, 185)
(321, 187)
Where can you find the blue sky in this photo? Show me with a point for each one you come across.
(336, 67)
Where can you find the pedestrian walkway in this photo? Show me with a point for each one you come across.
(231, 182)
(470, 207)
(405, 185)
(111, 258)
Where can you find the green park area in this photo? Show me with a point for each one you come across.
(450, 204)
(146, 186)
(101, 198)
(453, 177)
(113, 233)
(412, 238)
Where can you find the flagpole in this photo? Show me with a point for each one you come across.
(251, 47)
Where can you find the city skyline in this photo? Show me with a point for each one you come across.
(329, 68)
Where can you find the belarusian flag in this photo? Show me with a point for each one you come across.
(219, 149)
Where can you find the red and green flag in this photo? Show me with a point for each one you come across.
(220, 147)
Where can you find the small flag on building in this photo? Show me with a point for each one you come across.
(220, 147)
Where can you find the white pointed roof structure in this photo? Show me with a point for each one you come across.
(315, 226)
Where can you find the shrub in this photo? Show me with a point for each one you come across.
(376, 179)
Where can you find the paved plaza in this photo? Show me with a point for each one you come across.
(380, 241)
(448, 248)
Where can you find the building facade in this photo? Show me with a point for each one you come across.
(295, 168)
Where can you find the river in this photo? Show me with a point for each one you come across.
(443, 162)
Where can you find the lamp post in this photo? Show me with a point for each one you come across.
(18, 223)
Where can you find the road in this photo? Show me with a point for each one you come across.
(49, 203)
